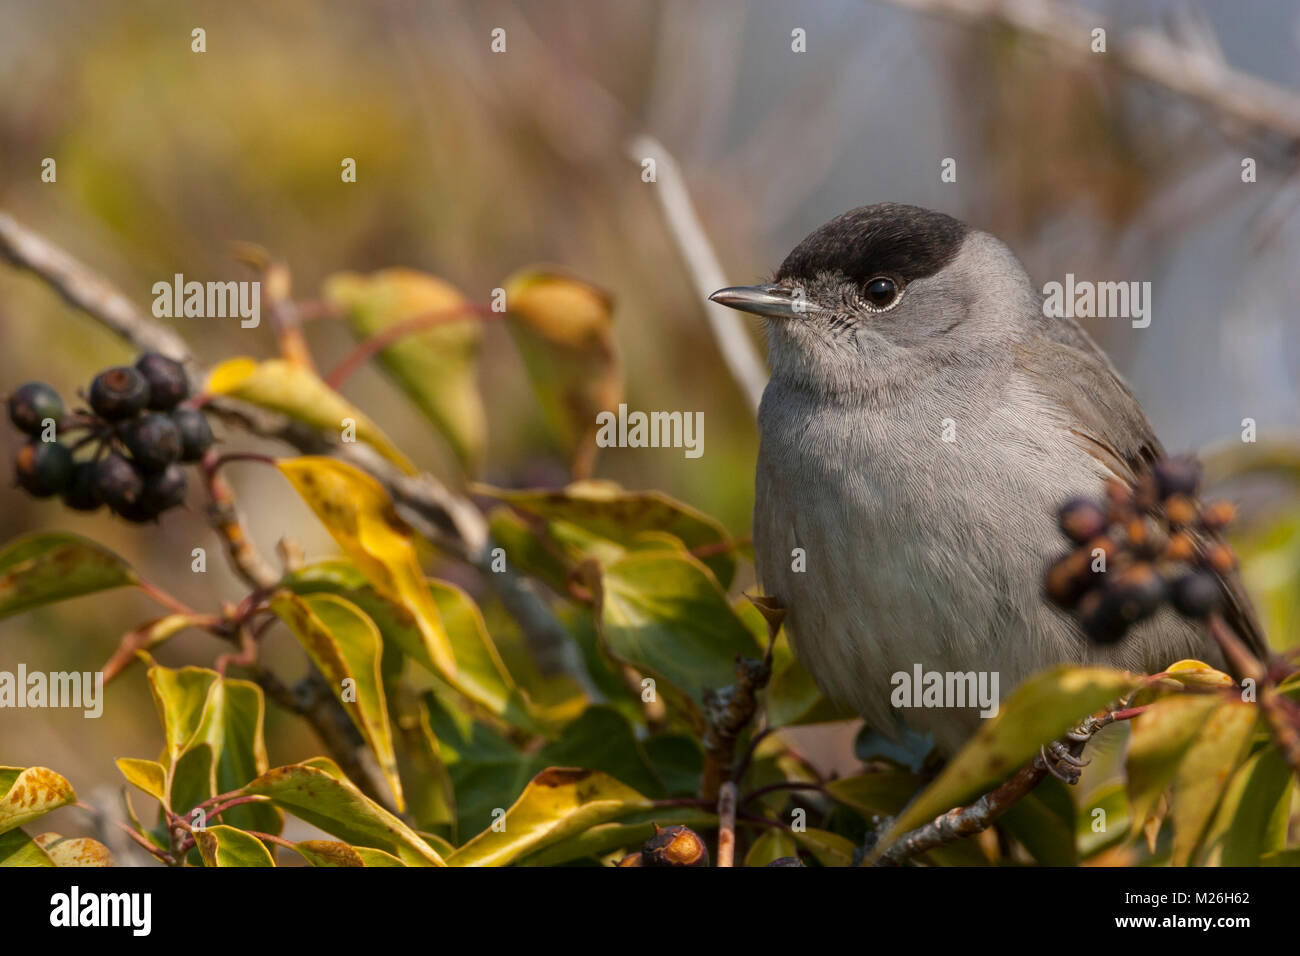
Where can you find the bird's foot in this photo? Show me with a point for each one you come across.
(1061, 761)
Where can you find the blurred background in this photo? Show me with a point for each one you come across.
(472, 164)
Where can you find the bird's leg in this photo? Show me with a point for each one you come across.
(1062, 758)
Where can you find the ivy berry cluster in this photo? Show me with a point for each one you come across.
(132, 440)
(1141, 548)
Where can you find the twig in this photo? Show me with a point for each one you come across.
(1194, 73)
(727, 824)
(738, 349)
(728, 711)
(372, 346)
(224, 516)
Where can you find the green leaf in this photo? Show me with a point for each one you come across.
(372, 857)
(227, 846)
(1160, 738)
(1043, 821)
(338, 807)
(599, 519)
(1204, 772)
(794, 698)
(436, 367)
(665, 614)
(294, 390)
(18, 849)
(830, 849)
(28, 794)
(1094, 832)
(328, 853)
(1252, 818)
(74, 851)
(602, 739)
(563, 330)
(43, 568)
(345, 645)
(556, 804)
(876, 794)
(1040, 710)
(628, 833)
(772, 845)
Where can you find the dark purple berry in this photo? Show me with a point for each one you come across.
(786, 861)
(32, 404)
(164, 490)
(119, 393)
(196, 433)
(1177, 476)
(43, 468)
(118, 484)
(153, 440)
(1196, 595)
(1081, 519)
(80, 495)
(1100, 618)
(1138, 591)
(168, 384)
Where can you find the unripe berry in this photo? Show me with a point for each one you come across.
(153, 440)
(32, 404)
(119, 393)
(196, 433)
(43, 468)
(118, 484)
(674, 846)
(80, 495)
(168, 384)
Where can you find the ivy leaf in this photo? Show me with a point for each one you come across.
(436, 367)
(227, 846)
(149, 775)
(563, 328)
(27, 794)
(358, 513)
(43, 568)
(294, 390)
(1204, 772)
(830, 849)
(1252, 819)
(1160, 738)
(772, 845)
(1040, 710)
(665, 614)
(557, 803)
(336, 806)
(345, 644)
(74, 851)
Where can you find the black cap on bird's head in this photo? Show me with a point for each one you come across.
(893, 240)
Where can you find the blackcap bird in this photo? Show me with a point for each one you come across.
(923, 423)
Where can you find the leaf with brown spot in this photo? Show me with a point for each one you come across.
(328, 853)
(43, 568)
(30, 793)
(558, 803)
(1205, 771)
(74, 851)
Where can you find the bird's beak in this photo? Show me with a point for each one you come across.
(773, 301)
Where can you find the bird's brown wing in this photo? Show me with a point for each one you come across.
(1107, 421)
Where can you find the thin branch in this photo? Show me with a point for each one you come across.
(226, 520)
(728, 711)
(1193, 72)
(727, 795)
(738, 349)
(372, 346)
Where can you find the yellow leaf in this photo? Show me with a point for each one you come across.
(1198, 674)
(293, 390)
(359, 514)
(74, 851)
(26, 794)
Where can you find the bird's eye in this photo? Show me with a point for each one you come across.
(882, 293)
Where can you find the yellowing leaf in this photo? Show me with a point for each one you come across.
(74, 851)
(18, 849)
(1160, 738)
(43, 568)
(293, 390)
(328, 853)
(226, 846)
(1198, 674)
(1204, 773)
(149, 775)
(346, 646)
(28, 794)
(556, 804)
(357, 511)
(436, 367)
(563, 330)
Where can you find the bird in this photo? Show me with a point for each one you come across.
(923, 421)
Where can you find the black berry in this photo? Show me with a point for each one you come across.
(1081, 520)
(1100, 618)
(153, 440)
(80, 495)
(43, 468)
(164, 490)
(1177, 476)
(1196, 595)
(32, 404)
(196, 433)
(168, 384)
(1138, 591)
(119, 393)
(118, 484)
(674, 846)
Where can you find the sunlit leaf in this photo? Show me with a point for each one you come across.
(227, 846)
(339, 808)
(436, 367)
(43, 568)
(149, 775)
(27, 794)
(1204, 772)
(328, 853)
(557, 803)
(345, 645)
(1252, 818)
(1161, 736)
(629, 832)
(564, 332)
(294, 390)
(772, 845)
(74, 851)
(18, 849)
